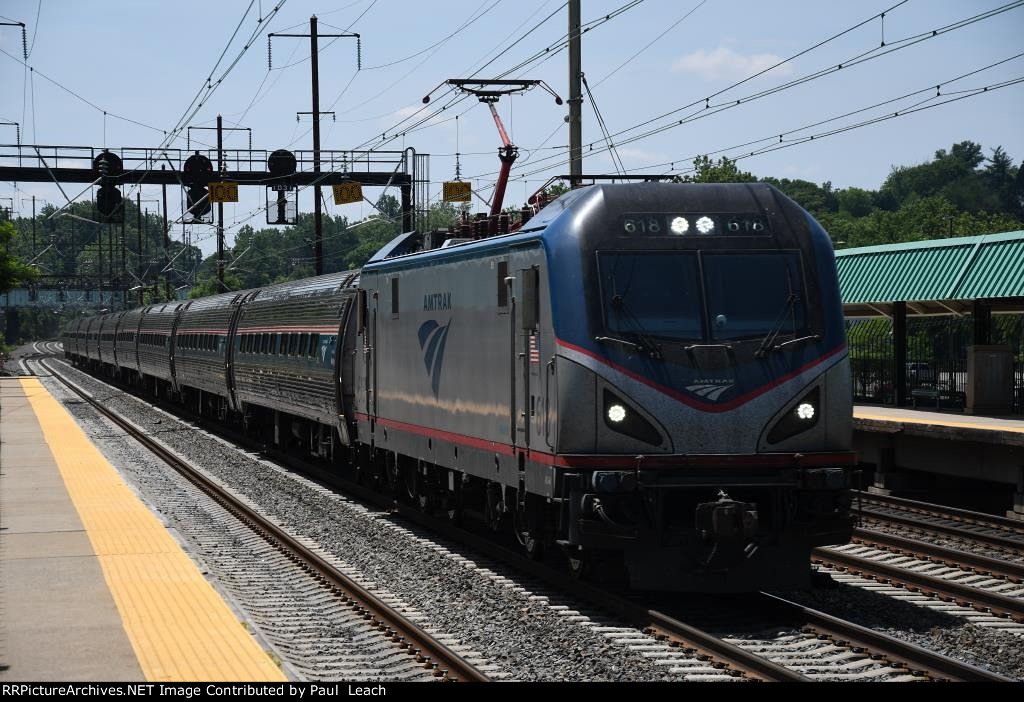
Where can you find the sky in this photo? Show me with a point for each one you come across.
(656, 61)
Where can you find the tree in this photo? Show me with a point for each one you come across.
(210, 285)
(722, 171)
(1018, 191)
(816, 199)
(855, 202)
(13, 273)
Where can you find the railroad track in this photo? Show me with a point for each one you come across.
(430, 653)
(998, 533)
(816, 646)
(911, 566)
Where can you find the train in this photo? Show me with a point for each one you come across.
(651, 378)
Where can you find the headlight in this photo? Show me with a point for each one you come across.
(798, 418)
(680, 225)
(705, 225)
(621, 418)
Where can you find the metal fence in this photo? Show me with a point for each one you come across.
(936, 359)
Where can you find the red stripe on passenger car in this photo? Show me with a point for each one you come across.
(250, 330)
(691, 401)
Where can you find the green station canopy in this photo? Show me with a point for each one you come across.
(939, 276)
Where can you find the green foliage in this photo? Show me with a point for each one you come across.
(13, 273)
(73, 242)
(721, 171)
(211, 286)
(554, 191)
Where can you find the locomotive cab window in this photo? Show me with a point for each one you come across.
(651, 294)
(734, 313)
(394, 296)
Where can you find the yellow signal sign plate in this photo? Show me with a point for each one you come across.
(456, 191)
(347, 193)
(223, 192)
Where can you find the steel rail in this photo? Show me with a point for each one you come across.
(993, 521)
(655, 623)
(378, 614)
(911, 656)
(889, 648)
(997, 540)
(949, 556)
(977, 598)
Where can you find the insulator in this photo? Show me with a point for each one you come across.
(359, 53)
(525, 213)
(492, 225)
(269, 58)
(503, 223)
(24, 43)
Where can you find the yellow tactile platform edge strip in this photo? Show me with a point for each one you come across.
(180, 628)
(944, 422)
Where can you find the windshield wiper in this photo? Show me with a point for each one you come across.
(798, 340)
(647, 344)
(763, 349)
(614, 340)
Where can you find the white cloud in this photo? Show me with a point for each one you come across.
(724, 63)
(414, 114)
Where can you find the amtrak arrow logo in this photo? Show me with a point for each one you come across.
(432, 339)
(709, 391)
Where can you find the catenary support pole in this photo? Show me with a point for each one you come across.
(220, 209)
(318, 241)
(575, 95)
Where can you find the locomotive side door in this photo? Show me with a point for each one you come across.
(366, 309)
(525, 356)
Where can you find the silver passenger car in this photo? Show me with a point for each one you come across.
(155, 347)
(287, 342)
(126, 345)
(200, 354)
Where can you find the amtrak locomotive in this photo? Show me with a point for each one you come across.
(652, 377)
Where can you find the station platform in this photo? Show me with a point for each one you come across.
(904, 443)
(93, 587)
(999, 430)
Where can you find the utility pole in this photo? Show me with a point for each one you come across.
(138, 240)
(220, 210)
(575, 96)
(124, 265)
(167, 244)
(318, 241)
(33, 226)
